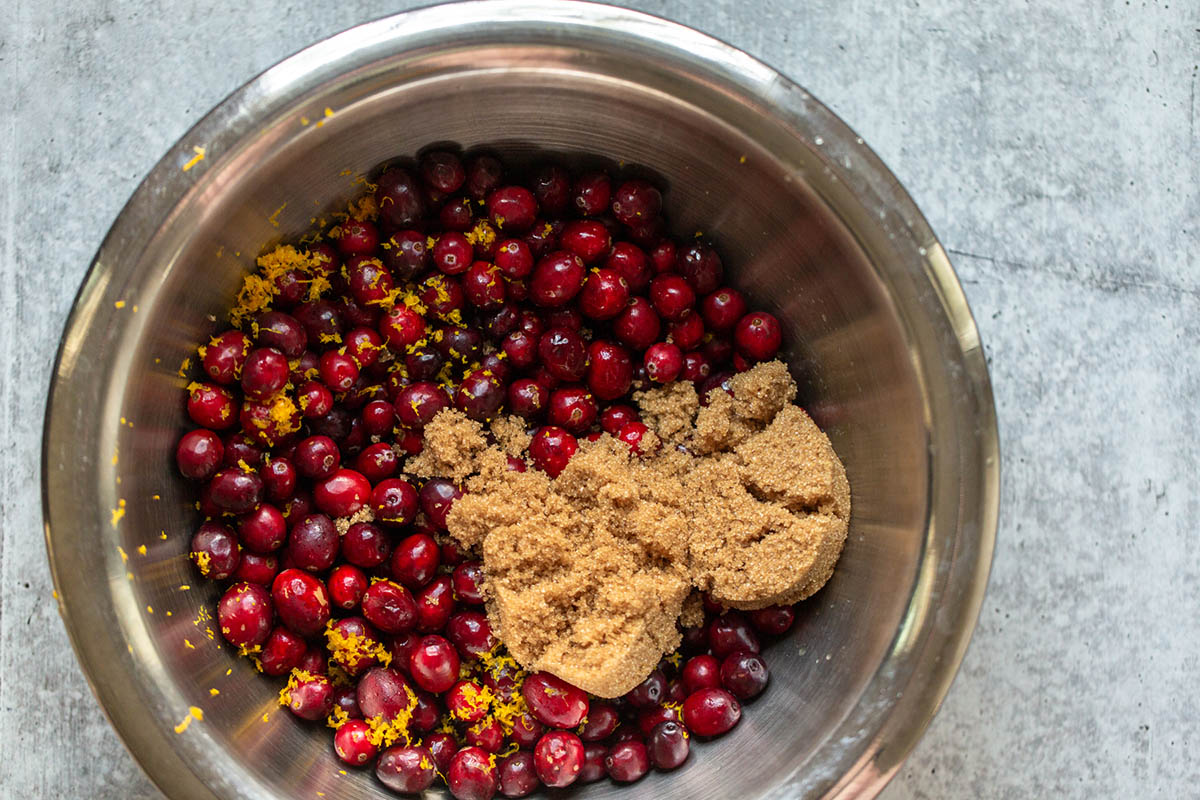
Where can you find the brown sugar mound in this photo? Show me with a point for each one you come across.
(588, 574)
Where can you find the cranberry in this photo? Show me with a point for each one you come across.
(472, 775)
(700, 266)
(671, 296)
(211, 406)
(663, 362)
(517, 775)
(604, 295)
(399, 198)
(358, 237)
(552, 188)
(593, 763)
(470, 633)
(466, 701)
(225, 355)
(245, 613)
(279, 479)
(556, 279)
(464, 344)
(772, 621)
(650, 692)
(554, 702)
(442, 746)
(368, 280)
(401, 327)
(758, 336)
(744, 674)
(264, 373)
(521, 349)
(408, 255)
(414, 561)
(616, 417)
(591, 194)
(235, 491)
(255, 568)
(563, 353)
(338, 371)
(314, 662)
(443, 172)
(729, 633)
(558, 758)
(199, 454)
(282, 651)
(343, 493)
(588, 239)
(526, 398)
(701, 672)
(567, 318)
(632, 435)
(711, 712)
(651, 717)
(514, 259)
(696, 367)
(347, 585)
(419, 403)
(314, 399)
(215, 551)
(434, 664)
(435, 604)
(364, 345)
(480, 395)
(636, 201)
(573, 409)
(313, 543)
(317, 457)
(311, 698)
(240, 448)
(668, 745)
(512, 208)
(484, 174)
(362, 641)
(638, 325)
(442, 296)
(457, 215)
(377, 461)
(394, 501)
(627, 761)
(551, 448)
(453, 253)
(320, 319)
(602, 720)
(365, 545)
(384, 693)
(630, 262)
(466, 580)
(301, 601)
(436, 498)
(526, 731)
(722, 309)
(422, 363)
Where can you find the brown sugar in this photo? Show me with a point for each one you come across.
(588, 574)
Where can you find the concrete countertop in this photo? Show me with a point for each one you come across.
(1054, 149)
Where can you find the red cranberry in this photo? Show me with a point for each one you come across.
(354, 630)
(554, 702)
(384, 693)
(636, 201)
(630, 262)
(199, 454)
(211, 406)
(650, 692)
(453, 253)
(301, 601)
(464, 344)
(235, 491)
(415, 560)
(401, 327)
(551, 448)
(758, 336)
(466, 580)
(671, 296)
(405, 768)
(265, 372)
(472, 775)
(687, 332)
(364, 346)
(342, 493)
(711, 712)
(457, 215)
(435, 604)
(627, 761)
(602, 720)
(514, 259)
(668, 745)
(394, 501)
(483, 285)
(701, 672)
(556, 279)
(502, 321)
(338, 371)
(282, 651)
(521, 349)
(729, 633)
(593, 769)
(377, 461)
(399, 198)
(442, 296)
(311, 698)
(314, 662)
(638, 325)
(255, 568)
(442, 171)
(225, 355)
(700, 266)
(591, 194)
(368, 280)
(526, 398)
(245, 613)
(241, 449)
(744, 674)
(616, 417)
(587, 239)
(517, 775)
(526, 731)
(480, 395)
(314, 399)
(279, 480)
(572, 408)
(722, 309)
(442, 746)
(359, 236)
(604, 295)
(352, 745)
(389, 607)
(419, 403)
(772, 621)
(651, 717)
(434, 664)
(663, 362)
(358, 315)
(696, 367)
(317, 457)
(313, 543)
(215, 551)
(347, 585)
(632, 435)
(365, 545)
(558, 758)
(484, 174)
(567, 318)
(512, 208)
(408, 255)
(436, 498)
(563, 353)
(471, 633)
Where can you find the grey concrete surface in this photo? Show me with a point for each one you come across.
(1054, 148)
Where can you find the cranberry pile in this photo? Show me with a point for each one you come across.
(452, 285)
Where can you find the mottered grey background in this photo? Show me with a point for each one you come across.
(1054, 148)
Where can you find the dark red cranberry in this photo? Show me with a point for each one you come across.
(433, 664)
(772, 621)
(442, 746)
(616, 417)
(568, 318)
(711, 712)
(282, 651)
(457, 215)
(394, 501)
(359, 237)
(389, 607)
(521, 349)
(627, 761)
(651, 717)
(757, 336)
(313, 543)
(638, 325)
(463, 344)
(551, 448)
(512, 208)
(671, 296)
(552, 189)
(314, 399)
(514, 259)
(435, 604)
(279, 479)
(591, 194)
(686, 333)
(722, 309)
(291, 285)
(480, 395)
(365, 545)
(466, 580)
(320, 319)
(602, 720)
(696, 367)
(587, 239)
(648, 233)
(668, 745)
(442, 171)
(301, 601)
(663, 362)
(377, 461)
(718, 350)
(338, 371)
(556, 279)
(558, 758)
(399, 198)
(593, 769)
(744, 674)
(472, 775)
(241, 449)
(517, 775)
(255, 568)
(347, 585)
(401, 648)
(357, 315)
(314, 662)
(564, 354)
(554, 702)
(422, 363)
(245, 614)
(650, 692)
(215, 551)
(526, 731)
(420, 403)
(610, 370)
(573, 409)
(406, 769)
(383, 693)
(526, 398)
(378, 417)
(199, 454)
(487, 734)
(211, 406)
(408, 255)
(368, 280)
(436, 498)
(701, 672)
(630, 262)
(311, 698)
(729, 633)
(235, 491)
(442, 296)
(415, 560)
(225, 355)
(604, 295)
(317, 457)
(471, 633)
(282, 332)
(700, 266)
(484, 174)
(636, 202)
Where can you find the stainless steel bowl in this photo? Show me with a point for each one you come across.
(813, 227)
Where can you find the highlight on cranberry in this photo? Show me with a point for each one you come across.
(454, 283)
